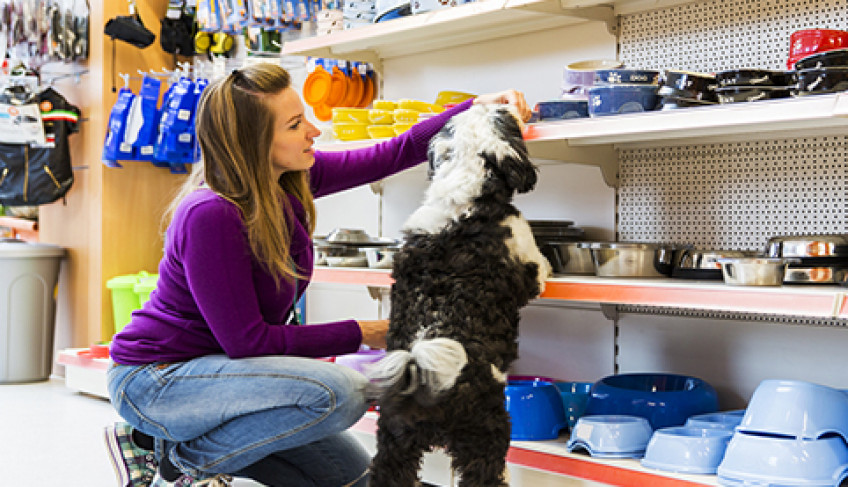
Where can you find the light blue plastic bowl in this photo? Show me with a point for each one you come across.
(796, 408)
(770, 461)
(611, 436)
(687, 450)
(535, 410)
(728, 420)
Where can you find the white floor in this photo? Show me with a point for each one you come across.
(51, 436)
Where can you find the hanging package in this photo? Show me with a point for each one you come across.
(177, 33)
(40, 173)
(114, 148)
(143, 120)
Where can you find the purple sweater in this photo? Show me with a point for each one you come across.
(214, 297)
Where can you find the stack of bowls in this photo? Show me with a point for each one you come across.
(619, 91)
(824, 72)
(578, 77)
(683, 89)
(753, 84)
(610, 436)
(703, 264)
(816, 258)
(559, 240)
(663, 399)
(687, 449)
(793, 433)
(345, 247)
(535, 409)
(358, 13)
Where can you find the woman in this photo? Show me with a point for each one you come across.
(212, 371)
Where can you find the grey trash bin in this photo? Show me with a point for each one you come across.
(28, 276)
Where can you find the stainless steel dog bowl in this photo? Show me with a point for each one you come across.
(808, 246)
(703, 264)
(348, 236)
(631, 259)
(754, 271)
(381, 257)
(815, 275)
(568, 258)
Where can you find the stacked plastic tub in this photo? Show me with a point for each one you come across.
(129, 293)
(793, 434)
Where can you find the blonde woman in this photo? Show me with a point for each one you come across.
(213, 374)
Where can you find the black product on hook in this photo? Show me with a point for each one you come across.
(130, 29)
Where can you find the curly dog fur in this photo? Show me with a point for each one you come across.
(468, 264)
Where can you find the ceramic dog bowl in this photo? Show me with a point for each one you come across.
(562, 109)
(827, 59)
(728, 420)
(754, 77)
(535, 410)
(822, 80)
(796, 409)
(610, 436)
(574, 397)
(626, 77)
(663, 399)
(754, 460)
(805, 43)
(579, 76)
(686, 449)
(688, 85)
(619, 99)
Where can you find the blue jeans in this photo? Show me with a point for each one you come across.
(279, 420)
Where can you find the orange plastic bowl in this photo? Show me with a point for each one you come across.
(338, 88)
(316, 88)
(803, 43)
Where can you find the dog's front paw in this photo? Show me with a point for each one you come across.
(545, 271)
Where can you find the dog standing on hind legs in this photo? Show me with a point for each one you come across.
(468, 264)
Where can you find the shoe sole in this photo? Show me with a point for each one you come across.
(116, 456)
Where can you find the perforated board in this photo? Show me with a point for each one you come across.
(732, 195)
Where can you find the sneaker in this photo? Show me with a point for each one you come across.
(134, 466)
(219, 480)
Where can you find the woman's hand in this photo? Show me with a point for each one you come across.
(508, 97)
(374, 333)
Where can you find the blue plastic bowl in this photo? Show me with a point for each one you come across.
(535, 410)
(727, 420)
(610, 436)
(687, 450)
(562, 109)
(759, 460)
(663, 399)
(620, 99)
(574, 397)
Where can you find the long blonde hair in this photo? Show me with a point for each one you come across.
(235, 129)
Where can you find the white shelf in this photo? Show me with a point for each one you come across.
(431, 31)
(818, 301)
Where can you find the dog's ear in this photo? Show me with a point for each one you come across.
(516, 168)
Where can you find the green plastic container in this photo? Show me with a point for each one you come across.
(124, 298)
(145, 286)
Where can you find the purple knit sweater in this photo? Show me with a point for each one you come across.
(214, 297)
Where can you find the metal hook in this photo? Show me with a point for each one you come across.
(126, 78)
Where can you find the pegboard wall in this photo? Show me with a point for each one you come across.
(732, 195)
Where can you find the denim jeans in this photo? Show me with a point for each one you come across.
(280, 420)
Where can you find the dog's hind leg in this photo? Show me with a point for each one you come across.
(400, 448)
(479, 449)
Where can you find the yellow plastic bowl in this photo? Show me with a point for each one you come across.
(384, 105)
(421, 106)
(445, 97)
(405, 115)
(381, 117)
(350, 131)
(401, 127)
(381, 131)
(350, 115)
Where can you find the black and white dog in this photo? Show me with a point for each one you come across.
(468, 264)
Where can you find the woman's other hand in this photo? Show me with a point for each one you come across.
(507, 97)
(374, 333)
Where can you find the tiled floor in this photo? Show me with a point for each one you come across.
(51, 436)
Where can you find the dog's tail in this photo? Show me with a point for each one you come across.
(428, 368)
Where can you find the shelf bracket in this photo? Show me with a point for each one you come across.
(604, 156)
(610, 311)
(601, 13)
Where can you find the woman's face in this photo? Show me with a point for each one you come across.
(291, 149)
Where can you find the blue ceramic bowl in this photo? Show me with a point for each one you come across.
(535, 410)
(663, 399)
(626, 77)
(756, 460)
(562, 109)
(619, 99)
(687, 450)
(610, 436)
(574, 397)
